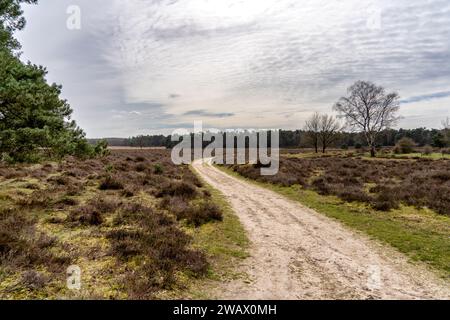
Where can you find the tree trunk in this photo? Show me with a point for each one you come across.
(371, 143)
(316, 146)
(372, 151)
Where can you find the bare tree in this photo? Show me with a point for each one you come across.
(312, 128)
(140, 140)
(446, 129)
(369, 109)
(446, 123)
(328, 127)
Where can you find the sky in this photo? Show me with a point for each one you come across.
(151, 66)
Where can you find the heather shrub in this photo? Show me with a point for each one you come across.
(405, 145)
(158, 169)
(421, 183)
(164, 246)
(351, 194)
(66, 201)
(149, 239)
(87, 216)
(22, 247)
(104, 205)
(445, 151)
(202, 213)
(427, 150)
(140, 167)
(178, 189)
(111, 183)
(175, 205)
(384, 202)
(38, 199)
(34, 280)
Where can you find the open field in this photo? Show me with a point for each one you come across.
(140, 227)
(383, 184)
(385, 153)
(404, 203)
(136, 225)
(298, 253)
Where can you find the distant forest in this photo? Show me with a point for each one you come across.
(300, 139)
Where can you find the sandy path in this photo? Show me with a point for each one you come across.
(297, 253)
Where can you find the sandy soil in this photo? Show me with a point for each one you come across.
(297, 253)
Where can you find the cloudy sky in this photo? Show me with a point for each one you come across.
(148, 66)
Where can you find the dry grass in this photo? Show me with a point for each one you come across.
(384, 184)
(421, 234)
(121, 218)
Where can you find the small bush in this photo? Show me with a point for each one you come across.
(38, 199)
(109, 168)
(55, 220)
(74, 189)
(60, 180)
(34, 280)
(101, 149)
(405, 145)
(158, 169)
(441, 175)
(351, 194)
(45, 241)
(195, 261)
(178, 189)
(66, 201)
(321, 186)
(203, 213)
(75, 173)
(104, 205)
(385, 202)
(111, 183)
(427, 150)
(207, 193)
(175, 205)
(86, 216)
(128, 192)
(130, 213)
(32, 186)
(125, 243)
(140, 167)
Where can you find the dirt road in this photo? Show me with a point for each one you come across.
(297, 253)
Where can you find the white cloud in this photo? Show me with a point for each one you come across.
(270, 63)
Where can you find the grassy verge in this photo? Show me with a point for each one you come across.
(421, 234)
(432, 156)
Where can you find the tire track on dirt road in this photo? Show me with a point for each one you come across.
(297, 253)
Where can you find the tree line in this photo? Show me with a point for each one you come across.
(302, 139)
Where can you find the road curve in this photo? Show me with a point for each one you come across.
(297, 253)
